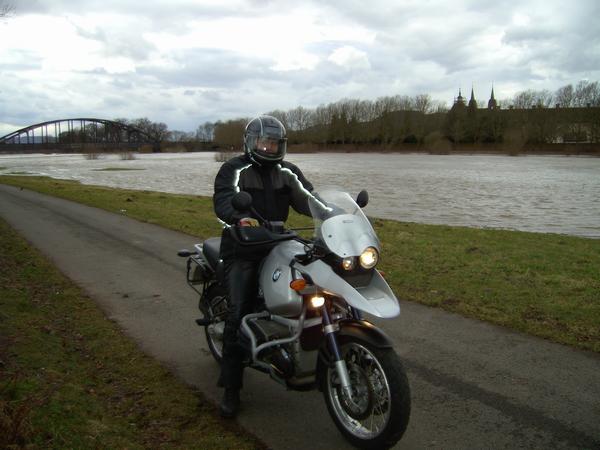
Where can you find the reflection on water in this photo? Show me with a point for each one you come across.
(533, 193)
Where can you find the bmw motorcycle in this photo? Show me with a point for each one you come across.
(307, 328)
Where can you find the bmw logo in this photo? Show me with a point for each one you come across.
(276, 274)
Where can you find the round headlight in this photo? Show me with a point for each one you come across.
(348, 263)
(369, 258)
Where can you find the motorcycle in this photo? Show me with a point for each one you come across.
(307, 328)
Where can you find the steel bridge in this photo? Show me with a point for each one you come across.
(79, 134)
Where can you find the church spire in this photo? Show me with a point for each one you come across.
(492, 104)
(460, 99)
(472, 102)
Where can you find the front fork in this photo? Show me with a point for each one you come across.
(329, 330)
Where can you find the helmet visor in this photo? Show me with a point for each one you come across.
(267, 145)
(270, 148)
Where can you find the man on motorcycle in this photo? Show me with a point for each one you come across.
(274, 185)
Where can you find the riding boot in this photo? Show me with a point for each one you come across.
(230, 404)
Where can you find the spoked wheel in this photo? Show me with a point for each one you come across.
(215, 308)
(375, 413)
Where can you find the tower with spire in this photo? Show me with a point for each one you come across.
(492, 104)
(472, 102)
(460, 100)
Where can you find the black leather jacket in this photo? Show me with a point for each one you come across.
(274, 188)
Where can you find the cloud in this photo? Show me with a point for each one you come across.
(183, 62)
(350, 57)
(206, 68)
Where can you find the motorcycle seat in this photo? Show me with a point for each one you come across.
(211, 249)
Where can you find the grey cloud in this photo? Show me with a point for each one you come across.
(127, 43)
(210, 68)
(426, 47)
(529, 35)
(164, 13)
(113, 102)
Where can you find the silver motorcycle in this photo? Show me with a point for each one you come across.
(307, 328)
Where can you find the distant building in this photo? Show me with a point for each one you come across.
(492, 104)
(459, 102)
(466, 122)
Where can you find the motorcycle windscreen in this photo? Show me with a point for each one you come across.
(341, 224)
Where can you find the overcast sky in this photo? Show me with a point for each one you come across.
(184, 62)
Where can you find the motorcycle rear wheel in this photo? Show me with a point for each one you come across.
(214, 308)
(376, 414)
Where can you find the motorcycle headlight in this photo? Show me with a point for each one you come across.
(369, 258)
(349, 263)
(317, 301)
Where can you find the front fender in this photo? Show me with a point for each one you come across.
(360, 331)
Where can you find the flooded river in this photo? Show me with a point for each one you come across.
(553, 194)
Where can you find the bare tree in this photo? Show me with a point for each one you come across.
(423, 103)
(587, 93)
(230, 134)
(298, 119)
(564, 96)
(181, 136)
(205, 132)
(157, 131)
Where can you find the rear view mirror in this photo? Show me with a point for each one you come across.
(362, 199)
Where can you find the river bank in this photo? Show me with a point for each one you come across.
(436, 148)
(543, 284)
(447, 148)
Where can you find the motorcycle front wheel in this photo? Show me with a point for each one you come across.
(214, 307)
(375, 413)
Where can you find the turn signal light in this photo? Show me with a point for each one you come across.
(298, 285)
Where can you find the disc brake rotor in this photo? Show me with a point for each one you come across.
(359, 404)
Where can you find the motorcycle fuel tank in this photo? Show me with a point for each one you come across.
(275, 279)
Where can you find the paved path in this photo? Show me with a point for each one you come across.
(474, 385)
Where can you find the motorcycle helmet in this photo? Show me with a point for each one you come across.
(264, 140)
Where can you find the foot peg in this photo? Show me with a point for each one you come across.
(203, 322)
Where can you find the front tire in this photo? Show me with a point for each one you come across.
(376, 413)
(214, 307)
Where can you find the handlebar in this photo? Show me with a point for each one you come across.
(270, 232)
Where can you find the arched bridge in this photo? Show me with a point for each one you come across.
(77, 134)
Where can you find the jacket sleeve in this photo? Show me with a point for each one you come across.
(301, 189)
(225, 189)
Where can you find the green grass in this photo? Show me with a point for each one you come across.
(70, 379)
(542, 284)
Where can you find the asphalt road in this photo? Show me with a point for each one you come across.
(474, 385)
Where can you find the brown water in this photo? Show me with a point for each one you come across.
(532, 193)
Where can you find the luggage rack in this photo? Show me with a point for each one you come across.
(199, 271)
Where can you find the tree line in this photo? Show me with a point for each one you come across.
(570, 114)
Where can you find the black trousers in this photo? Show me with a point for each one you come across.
(242, 284)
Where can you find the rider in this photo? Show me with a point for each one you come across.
(274, 185)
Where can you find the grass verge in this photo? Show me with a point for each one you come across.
(542, 284)
(70, 379)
